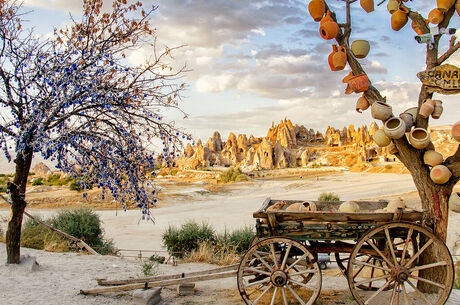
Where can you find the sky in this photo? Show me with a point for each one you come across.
(254, 62)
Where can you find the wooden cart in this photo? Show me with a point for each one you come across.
(378, 252)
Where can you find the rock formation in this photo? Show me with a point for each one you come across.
(286, 145)
(41, 170)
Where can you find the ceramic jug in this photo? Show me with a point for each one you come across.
(317, 8)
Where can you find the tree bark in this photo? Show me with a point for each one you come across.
(17, 190)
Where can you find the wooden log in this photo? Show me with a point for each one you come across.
(79, 242)
(160, 283)
(166, 277)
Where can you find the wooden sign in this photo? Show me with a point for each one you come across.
(444, 79)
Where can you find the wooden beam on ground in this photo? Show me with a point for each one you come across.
(164, 283)
(104, 282)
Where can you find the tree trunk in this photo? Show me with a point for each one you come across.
(17, 190)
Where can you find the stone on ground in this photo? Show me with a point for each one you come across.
(150, 296)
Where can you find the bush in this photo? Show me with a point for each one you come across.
(233, 174)
(36, 236)
(240, 239)
(84, 224)
(211, 254)
(328, 197)
(38, 181)
(80, 186)
(183, 240)
(55, 180)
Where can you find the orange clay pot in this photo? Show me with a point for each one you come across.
(436, 16)
(399, 18)
(359, 83)
(393, 6)
(457, 7)
(329, 29)
(339, 57)
(426, 110)
(317, 8)
(367, 5)
(445, 5)
(362, 104)
(456, 131)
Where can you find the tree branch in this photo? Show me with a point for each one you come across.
(449, 53)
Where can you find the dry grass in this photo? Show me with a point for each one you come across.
(457, 276)
(218, 255)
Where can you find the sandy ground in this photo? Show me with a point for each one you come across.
(61, 276)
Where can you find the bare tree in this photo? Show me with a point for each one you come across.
(76, 100)
(434, 197)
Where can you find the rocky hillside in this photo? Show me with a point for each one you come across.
(286, 145)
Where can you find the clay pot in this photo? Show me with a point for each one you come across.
(349, 207)
(419, 138)
(432, 158)
(399, 18)
(393, 6)
(317, 8)
(360, 48)
(456, 131)
(381, 111)
(408, 120)
(454, 202)
(367, 5)
(328, 28)
(359, 83)
(431, 102)
(436, 16)
(381, 139)
(338, 58)
(445, 5)
(395, 128)
(412, 111)
(426, 110)
(305, 206)
(437, 110)
(440, 174)
(362, 104)
(394, 205)
(457, 7)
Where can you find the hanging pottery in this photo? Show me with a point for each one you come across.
(393, 5)
(440, 174)
(362, 104)
(445, 5)
(339, 57)
(381, 139)
(330, 58)
(436, 16)
(360, 48)
(329, 29)
(419, 138)
(408, 120)
(454, 202)
(456, 131)
(317, 8)
(432, 158)
(412, 111)
(399, 18)
(381, 111)
(426, 109)
(367, 5)
(359, 83)
(395, 128)
(437, 110)
(457, 7)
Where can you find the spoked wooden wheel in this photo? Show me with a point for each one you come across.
(390, 251)
(279, 271)
(343, 258)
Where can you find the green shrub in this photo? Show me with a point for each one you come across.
(79, 185)
(183, 240)
(233, 174)
(55, 180)
(36, 236)
(84, 224)
(328, 197)
(240, 239)
(38, 181)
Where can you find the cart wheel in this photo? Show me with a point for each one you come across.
(279, 271)
(343, 258)
(386, 256)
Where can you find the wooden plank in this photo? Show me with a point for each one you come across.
(160, 283)
(79, 242)
(166, 277)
